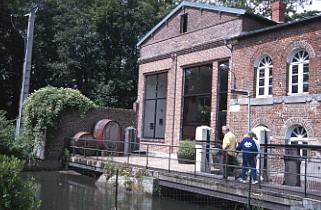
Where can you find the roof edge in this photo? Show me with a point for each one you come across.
(274, 27)
(195, 5)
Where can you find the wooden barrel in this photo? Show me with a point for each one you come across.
(108, 136)
(83, 139)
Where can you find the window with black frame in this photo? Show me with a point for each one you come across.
(155, 106)
(197, 99)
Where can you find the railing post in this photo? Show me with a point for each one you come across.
(260, 168)
(116, 191)
(305, 176)
(169, 158)
(96, 149)
(195, 162)
(225, 165)
(128, 151)
(73, 150)
(249, 195)
(84, 148)
(147, 155)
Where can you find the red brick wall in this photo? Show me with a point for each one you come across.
(197, 19)
(279, 116)
(169, 51)
(73, 123)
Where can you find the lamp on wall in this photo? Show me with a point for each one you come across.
(234, 90)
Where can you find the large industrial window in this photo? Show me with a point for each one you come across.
(155, 106)
(299, 73)
(197, 99)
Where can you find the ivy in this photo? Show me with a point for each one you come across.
(43, 110)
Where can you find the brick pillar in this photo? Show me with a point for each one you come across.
(214, 99)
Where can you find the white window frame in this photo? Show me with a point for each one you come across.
(301, 138)
(300, 64)
(266, 68)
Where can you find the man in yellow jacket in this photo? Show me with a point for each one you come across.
(229, 154)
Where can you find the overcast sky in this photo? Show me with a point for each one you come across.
(316, 5)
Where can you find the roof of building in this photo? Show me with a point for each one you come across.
(200, 6)
(278, 26)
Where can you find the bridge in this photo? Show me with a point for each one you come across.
(279, 187)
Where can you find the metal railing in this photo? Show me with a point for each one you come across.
(280, 168)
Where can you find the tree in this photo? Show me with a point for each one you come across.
(88, 45)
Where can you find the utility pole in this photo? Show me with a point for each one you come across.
(26, 66)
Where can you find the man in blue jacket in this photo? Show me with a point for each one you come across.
(249, 150)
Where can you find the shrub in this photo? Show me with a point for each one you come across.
(44, 109)
(8, 144)
(186, 150)
(15, 193)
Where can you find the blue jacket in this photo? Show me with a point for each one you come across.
(248, 147)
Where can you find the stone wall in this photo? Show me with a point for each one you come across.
(73, 123)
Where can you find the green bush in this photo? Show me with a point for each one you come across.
(186, 150)
(44, 109)
(8, 144)
(15, 193)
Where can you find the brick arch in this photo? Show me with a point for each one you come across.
(263, 121)
(296, 121)
(297, 45)
(258, 54)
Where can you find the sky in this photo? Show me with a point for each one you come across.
(315, 5)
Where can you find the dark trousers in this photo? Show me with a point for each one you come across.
(228, 164)
(249, 162)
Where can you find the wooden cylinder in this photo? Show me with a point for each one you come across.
(108, 136)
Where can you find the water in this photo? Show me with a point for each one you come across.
(73, 191)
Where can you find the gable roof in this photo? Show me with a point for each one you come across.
(278, 26)
(200, 6)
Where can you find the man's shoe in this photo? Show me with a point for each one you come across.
(242, 180)
(255, 182)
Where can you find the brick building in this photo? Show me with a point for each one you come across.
(192, 62)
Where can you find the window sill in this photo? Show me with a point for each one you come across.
(146, 140)
(298, 94)
(265, 96)
(289, 99)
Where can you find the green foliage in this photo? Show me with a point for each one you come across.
(126, 172)
(44, 109)
(262, 7)
(6, 133)
(186, 149)
(123, 169)
(8, 145)
(81, 44)
(15, 193)
(88, 45)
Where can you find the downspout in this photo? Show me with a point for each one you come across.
(231, 48)
(230, 75)
(174, 56)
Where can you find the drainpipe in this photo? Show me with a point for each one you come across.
(231, 47)
(230, 72)
(174, 56)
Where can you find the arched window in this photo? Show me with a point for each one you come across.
(299, 135)
(264, 77)
(299, 73)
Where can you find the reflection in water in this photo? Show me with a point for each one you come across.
(72, 191)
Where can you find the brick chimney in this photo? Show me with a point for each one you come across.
(278, 10)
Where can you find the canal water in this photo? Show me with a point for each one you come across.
(68, 190)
